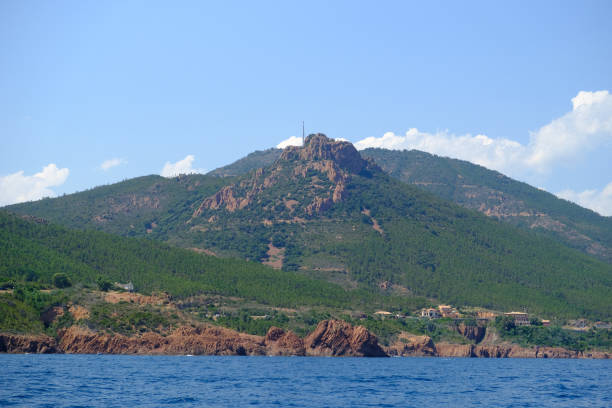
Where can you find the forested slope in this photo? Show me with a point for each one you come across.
(33, 251)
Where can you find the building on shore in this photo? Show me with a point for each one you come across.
(431, 313)
(520, 318)
(125, 286)
(448, 311)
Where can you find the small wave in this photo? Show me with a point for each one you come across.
(178, 400)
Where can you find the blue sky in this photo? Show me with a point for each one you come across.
(522, 87)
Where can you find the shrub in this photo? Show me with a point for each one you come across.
(61, 280)
(103, 284)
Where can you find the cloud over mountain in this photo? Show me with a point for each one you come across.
(599, 201)
(291, 141)
(17, 187)
(586, 127)
(184, 166)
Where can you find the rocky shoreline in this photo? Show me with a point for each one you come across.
(330, 338)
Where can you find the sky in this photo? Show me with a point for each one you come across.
(93, 93)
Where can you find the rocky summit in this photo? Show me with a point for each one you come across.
(322, 168)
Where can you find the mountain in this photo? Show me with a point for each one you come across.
(324, 211)
(501, 197)
(478, 188)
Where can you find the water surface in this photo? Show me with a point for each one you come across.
(182, 381)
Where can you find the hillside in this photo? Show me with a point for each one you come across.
(481, 189)
(144, 206)
(324, 208)
(255, 160)
(324, 211)
(32, 250)
(501, 197)
(184, 296)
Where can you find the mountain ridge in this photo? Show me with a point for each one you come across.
(379, 232)
(478, 188)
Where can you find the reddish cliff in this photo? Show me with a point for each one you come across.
(330, 338)
(184, 340)
(338, 338)
(512, 351)
(19, 343)
(409, 345)
(281, 343)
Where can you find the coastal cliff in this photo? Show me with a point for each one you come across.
(330, 338)
(418, 346)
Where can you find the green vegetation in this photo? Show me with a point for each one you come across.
(103, 284)
(21, 310)
(475, 187)
(243, 322)
(18, 317)
(148, 206)
(128, 319)
(428, 246)
(60, 280)
(424, 246)
(438, 330)
(255, 160)
(553, 336)
(42, 250)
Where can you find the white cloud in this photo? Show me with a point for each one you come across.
(297, 141)
(600, 201)
(586, 127)
(110, 163)
(292, 141)
(180, 167)
(17, 188)
(492, 153)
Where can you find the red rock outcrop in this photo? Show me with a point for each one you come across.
(337, 160)
(408, 345)
(184, 340)
(512, 351)
(330, 338)
(339, 338)
(281, 343)
(474, 333)
(318, 147)
(21, 343)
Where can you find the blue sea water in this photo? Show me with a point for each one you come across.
(184, 381)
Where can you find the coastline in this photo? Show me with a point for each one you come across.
(331, 338)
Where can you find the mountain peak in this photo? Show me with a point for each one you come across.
(318, 147)
(304, 181)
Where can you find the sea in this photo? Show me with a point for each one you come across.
(31, 380)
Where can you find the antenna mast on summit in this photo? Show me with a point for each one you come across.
(302, 133)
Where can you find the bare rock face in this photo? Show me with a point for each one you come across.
(474, 333)
(184, 340)
(339, 338)
(281, 343)
(454, 350)
(336, 160)
(214, 341)
(410, 345)
(330, 338)
(318, 147)
(18, 343)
